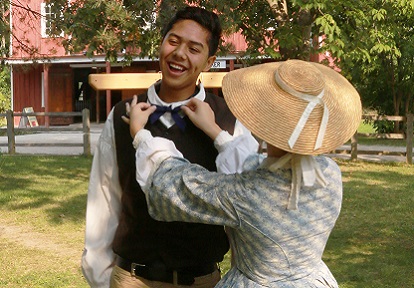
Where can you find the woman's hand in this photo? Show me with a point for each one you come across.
(201, 114)
(138, 114)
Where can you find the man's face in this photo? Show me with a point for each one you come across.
(184, 55)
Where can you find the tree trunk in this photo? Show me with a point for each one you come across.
(280, 9)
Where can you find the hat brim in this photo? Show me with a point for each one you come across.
(272, 114)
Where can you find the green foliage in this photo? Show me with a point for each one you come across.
(372, 42)
(5, 90)
(132, 28)
(379, 54)
(383, 126)
(4, 28)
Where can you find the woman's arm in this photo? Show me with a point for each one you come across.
(233, 149)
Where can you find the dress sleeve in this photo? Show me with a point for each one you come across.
(181, 191)
(103, 210)
(177, 190)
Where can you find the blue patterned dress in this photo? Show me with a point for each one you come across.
(271, 245)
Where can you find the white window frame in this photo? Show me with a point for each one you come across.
(45, 18)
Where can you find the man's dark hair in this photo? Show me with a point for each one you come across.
(209, 20)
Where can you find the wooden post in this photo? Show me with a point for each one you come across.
(46, 92)
(86, 132)
(409, 153)
(10, 132)
(231, 64)
(98, 110)
(108, 92)
(354, 146)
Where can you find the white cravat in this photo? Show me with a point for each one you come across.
(154, 99)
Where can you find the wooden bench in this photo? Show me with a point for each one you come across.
(125, 81)
(136, 83)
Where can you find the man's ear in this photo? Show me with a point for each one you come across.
(209, 63)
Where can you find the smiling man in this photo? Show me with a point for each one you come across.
(124, 246)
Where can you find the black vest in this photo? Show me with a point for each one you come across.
(140, 238)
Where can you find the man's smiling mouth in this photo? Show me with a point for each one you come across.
(176, 67)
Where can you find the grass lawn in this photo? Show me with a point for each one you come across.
(42, 208)
(42, 211)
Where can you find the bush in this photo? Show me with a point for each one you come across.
(5, 89)
(383, 126)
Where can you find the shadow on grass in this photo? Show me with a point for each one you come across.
(58, 185)
(372, 243)
(72, 209)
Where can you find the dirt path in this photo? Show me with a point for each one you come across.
(28, 238)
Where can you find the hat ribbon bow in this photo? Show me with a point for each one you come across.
(313, 101)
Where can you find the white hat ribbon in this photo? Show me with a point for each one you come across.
(303, 167)
(313, 101)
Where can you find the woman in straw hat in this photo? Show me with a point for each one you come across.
(280, 211)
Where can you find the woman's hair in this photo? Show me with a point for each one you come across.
(207, 19)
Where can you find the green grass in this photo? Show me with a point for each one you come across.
(42, 208)
(372, 243)
(366, 128)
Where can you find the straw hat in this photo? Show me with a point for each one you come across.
(297, 106)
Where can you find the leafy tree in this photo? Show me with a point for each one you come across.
(4, 29)
(275, 29)
(379, 54)
(5, 90)
(25, 20)
(371, 41)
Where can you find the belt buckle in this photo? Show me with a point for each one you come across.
(133, 266)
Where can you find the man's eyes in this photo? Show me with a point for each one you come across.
(194, 50)
(173, 42)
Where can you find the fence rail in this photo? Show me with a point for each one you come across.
(85, 129)
(87, 140)
(408, 135)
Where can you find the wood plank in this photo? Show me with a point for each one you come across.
(384, 135)
(212, 79)
(384, 117)
(390, 136)
(121, 81)
(124, 81)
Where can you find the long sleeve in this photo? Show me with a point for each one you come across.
(181, 191)
(103, 209)
(192, 189)
(234, 149)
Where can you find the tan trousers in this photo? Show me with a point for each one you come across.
(123, 279)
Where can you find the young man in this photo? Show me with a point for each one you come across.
(124, 246)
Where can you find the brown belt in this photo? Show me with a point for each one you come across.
(157, 271)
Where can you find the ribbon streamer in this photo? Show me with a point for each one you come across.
(313, 101)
